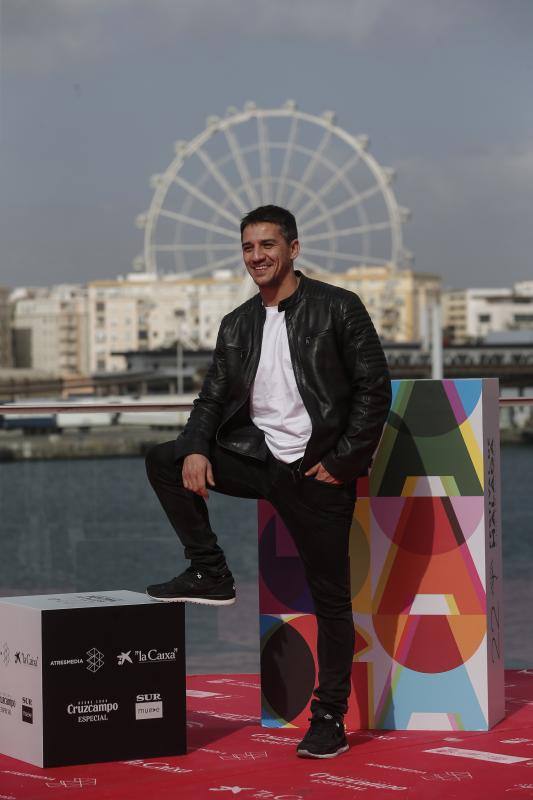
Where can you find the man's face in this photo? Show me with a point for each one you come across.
(267, 256)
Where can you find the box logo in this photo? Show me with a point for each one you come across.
(26, 659)
(95, 660)
(148, 706)
(27, 710)
(5, 653)
(151, 656)
(92, 710)
(7, 704)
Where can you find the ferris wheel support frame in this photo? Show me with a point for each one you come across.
(183, 150)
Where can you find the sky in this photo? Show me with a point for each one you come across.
(94, 93)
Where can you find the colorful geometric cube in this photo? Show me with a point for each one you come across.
(426, 575)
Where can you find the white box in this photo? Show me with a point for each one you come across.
(91, 677)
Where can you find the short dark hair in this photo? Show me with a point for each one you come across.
(279, 216)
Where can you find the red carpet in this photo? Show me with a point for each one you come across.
(231, 755)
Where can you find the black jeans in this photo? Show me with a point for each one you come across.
(317, 515)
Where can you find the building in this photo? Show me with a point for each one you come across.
(22, 383)
(142, 311)
(71, 330)
(49, 329)
(399, 301)
(145, 312)
(472, 314)
(5, 328)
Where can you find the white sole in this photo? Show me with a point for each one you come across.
(307, 754)
(202, 601)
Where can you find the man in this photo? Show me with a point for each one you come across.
(291, 410)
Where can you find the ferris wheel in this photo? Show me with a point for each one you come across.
(345, 209)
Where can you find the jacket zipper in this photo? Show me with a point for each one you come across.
(297, 377)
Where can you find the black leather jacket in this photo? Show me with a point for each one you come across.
(340, 370)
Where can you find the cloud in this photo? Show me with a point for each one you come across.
(471, 213)
(494, 174)
(38, 37)
(43, 35)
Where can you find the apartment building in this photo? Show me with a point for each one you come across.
(5, 328)
(142, 312)
(471, 314)
(399, 301)
(70, 329)
(50, 329)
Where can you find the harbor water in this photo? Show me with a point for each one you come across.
(95, 524)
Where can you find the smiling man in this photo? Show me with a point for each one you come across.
(291, 410)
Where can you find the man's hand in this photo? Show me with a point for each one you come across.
(320, 473)
(196, 473)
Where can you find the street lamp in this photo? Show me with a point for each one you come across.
(179, 314)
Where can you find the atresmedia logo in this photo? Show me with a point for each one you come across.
(95, 660)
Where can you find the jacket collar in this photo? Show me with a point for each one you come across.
(293, 298)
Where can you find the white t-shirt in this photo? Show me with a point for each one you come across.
(276, 406)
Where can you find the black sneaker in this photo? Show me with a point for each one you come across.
(324, 739)
(196, 586)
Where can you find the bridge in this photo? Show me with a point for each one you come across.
(155, 371)
(512, 364)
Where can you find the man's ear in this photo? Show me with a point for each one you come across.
(295, 249)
